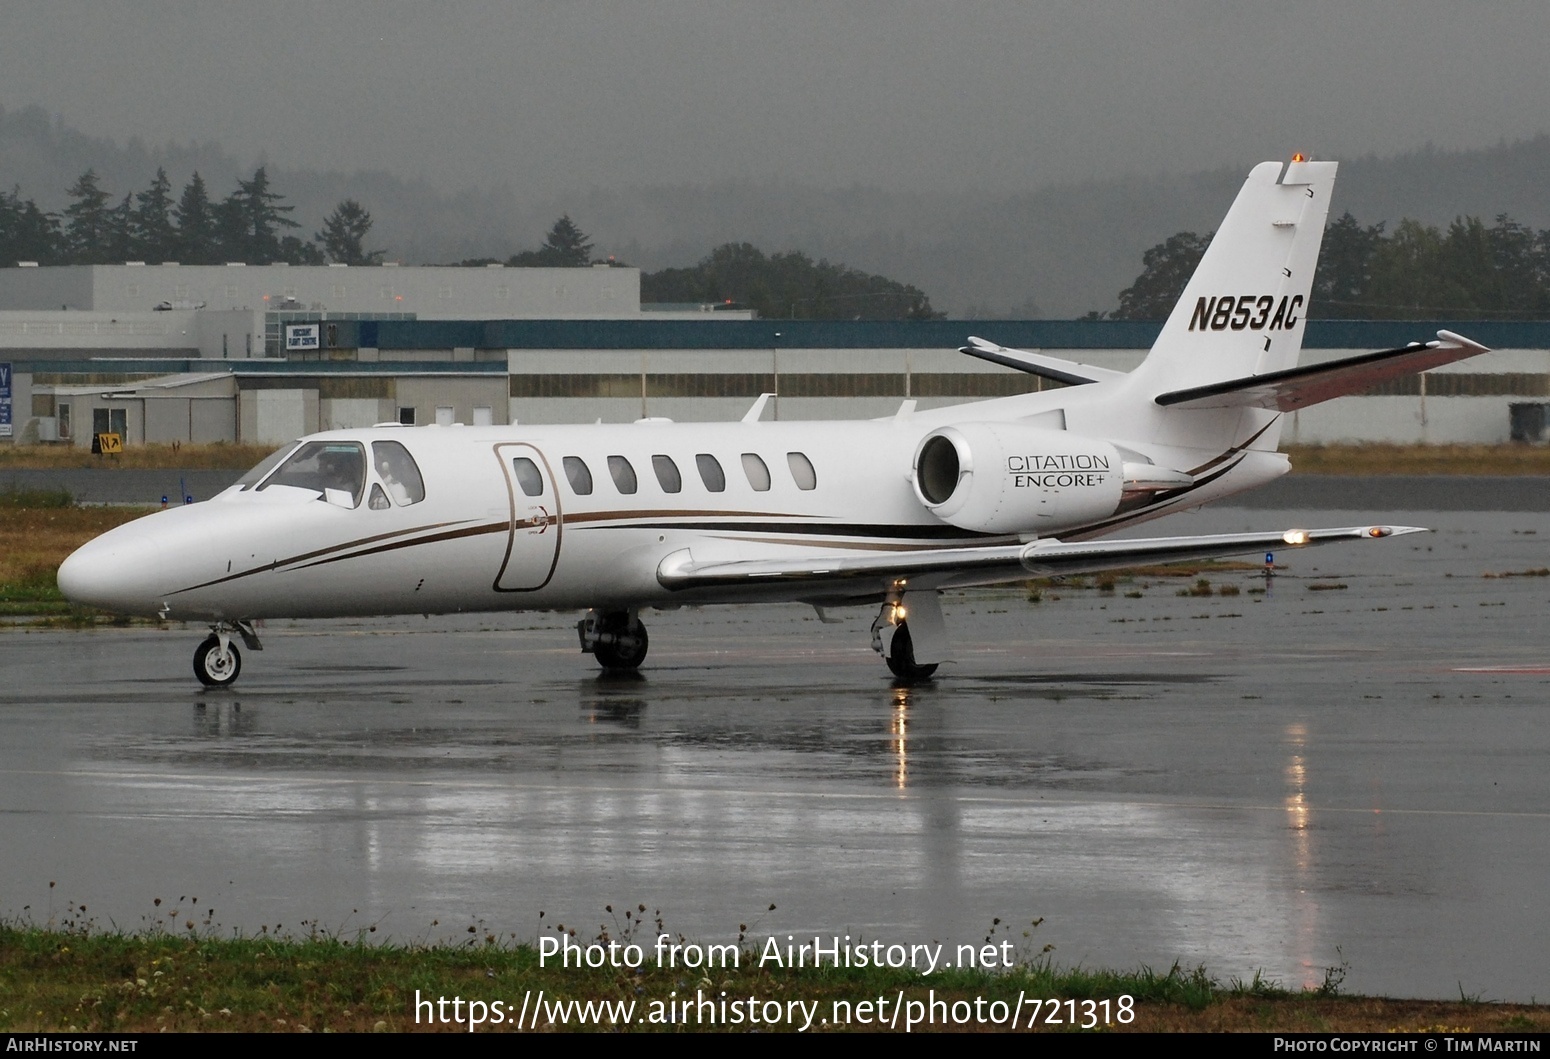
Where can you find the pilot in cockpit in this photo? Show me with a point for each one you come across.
(341, 469)
(399, 490)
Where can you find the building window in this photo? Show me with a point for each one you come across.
(758, 474)
(667, 474)
(110, 421)
(483, 416)
(579, 475)
(444, 415)
(711, 474)
(406, 417)
(623, 474)
(64, 421)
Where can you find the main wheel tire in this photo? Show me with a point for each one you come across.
(626, 655)
(901, 656)
(216, 668)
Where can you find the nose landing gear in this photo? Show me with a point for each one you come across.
(617, 639)
(217, 662)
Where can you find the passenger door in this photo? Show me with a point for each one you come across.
(533, 545)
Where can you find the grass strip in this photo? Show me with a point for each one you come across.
(92, 981)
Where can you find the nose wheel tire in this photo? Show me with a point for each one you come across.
(901, 657)
(217, 668)
(626, 650)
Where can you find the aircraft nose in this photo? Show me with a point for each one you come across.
(116, 572)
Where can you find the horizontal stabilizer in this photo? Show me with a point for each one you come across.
(1065, 371)
(1042, 558)
(1294, 388)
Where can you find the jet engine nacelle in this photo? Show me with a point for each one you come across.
(1012, 478)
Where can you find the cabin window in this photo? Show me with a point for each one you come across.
(667, 474)
(802, 470)
(528, 476)
(711, 473)
(623, 474)
(267, 464)
(758, 474)
(579, 476)
(398, 472)
(337, 467)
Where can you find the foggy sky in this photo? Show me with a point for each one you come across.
(908, 95)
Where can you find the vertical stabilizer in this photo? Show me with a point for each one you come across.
(1244, 309)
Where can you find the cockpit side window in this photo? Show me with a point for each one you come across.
(399, 472)
(269, 463)
(579, 475)
(324, 465)
(623, 474)
(378, 500)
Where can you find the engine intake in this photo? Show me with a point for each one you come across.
(1011, 478)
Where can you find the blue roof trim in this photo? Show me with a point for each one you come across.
(884, 334)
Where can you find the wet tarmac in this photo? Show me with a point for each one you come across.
(1344, 770)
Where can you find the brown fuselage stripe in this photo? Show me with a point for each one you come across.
(935, 536)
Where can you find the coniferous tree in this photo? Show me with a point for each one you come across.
(566, 246)
(344, 235)
(155, 237)
(256, 219)
(26, 232)
(87, 221)
(197, 231)
(121, 244)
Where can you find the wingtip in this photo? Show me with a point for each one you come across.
(1452, 339)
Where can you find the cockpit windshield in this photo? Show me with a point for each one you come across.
(267, 464)
(323, 466)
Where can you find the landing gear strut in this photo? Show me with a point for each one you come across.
(891, 636)
(217, 660)
(617, 639)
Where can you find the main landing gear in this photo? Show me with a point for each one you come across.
(911, 655)
(217, 662)
(617, 639)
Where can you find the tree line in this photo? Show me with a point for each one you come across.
(1417, 271)
(253, 225)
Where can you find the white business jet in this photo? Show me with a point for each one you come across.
(615, 519)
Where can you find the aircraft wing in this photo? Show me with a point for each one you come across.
(1066, 371)
(1043, 558)
(1294, 388)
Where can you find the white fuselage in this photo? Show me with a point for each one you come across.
(483, 539)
